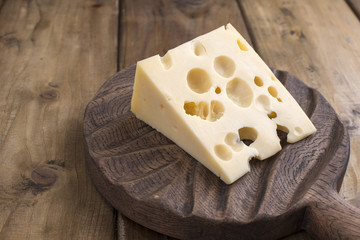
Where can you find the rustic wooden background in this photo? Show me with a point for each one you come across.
(55, 54)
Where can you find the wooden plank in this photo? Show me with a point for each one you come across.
(355, 6)
(54, 56)
(152, 27)
(131, 230)
(318, 41)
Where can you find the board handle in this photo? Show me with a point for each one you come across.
(331, 217)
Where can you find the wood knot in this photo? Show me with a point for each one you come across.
(56, 162)
(12, 41)
(193, 9)
(53, 84)
(287, 13)
(44, 176)
(96, 5)
(297, 33)
(49, 94)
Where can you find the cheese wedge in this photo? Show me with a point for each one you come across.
(211, 94)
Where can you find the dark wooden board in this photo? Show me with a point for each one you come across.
(155, 183)
(152, 27)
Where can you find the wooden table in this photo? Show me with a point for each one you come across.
(54, 55)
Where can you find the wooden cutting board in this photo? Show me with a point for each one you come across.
(155, 183)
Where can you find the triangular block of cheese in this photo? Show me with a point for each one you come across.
(211, 94)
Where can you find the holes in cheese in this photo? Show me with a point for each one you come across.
(202, 110)
(298, 130)
(272, 91)
(241, 45)
(223, 152)
(272, 115)
(217, 96)
(166, 61)
(247, 135)
(198, 80)
(262, 103)
(198, 48)
(282, 132)
(233, 140)
(224, 66)
(239, 92)
(217, 90)
(216, 110)
(282, 128)
(258, 81)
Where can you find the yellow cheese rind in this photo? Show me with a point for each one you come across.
(209, 94)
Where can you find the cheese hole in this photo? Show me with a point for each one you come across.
(233, 140)
(161, 107)
(198, 80)
(241, 45)
(282, 133)
(218, 90)
(258, 81)
(273, 92)
(166, 61)
(223, 152)
(262, 103)
(200, 109)
(198, 48)
(282, 128)
(216, 110)
(279, 99)
(298, 131)
(273, 78)
(239, 92)
(247, 135)
(272, 115)
(224, 66)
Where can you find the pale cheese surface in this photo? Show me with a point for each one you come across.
(209, 94)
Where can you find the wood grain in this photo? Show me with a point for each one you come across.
(54, 56)
(148, 28)
(154, 182)
(153, 27)
(319, 42)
